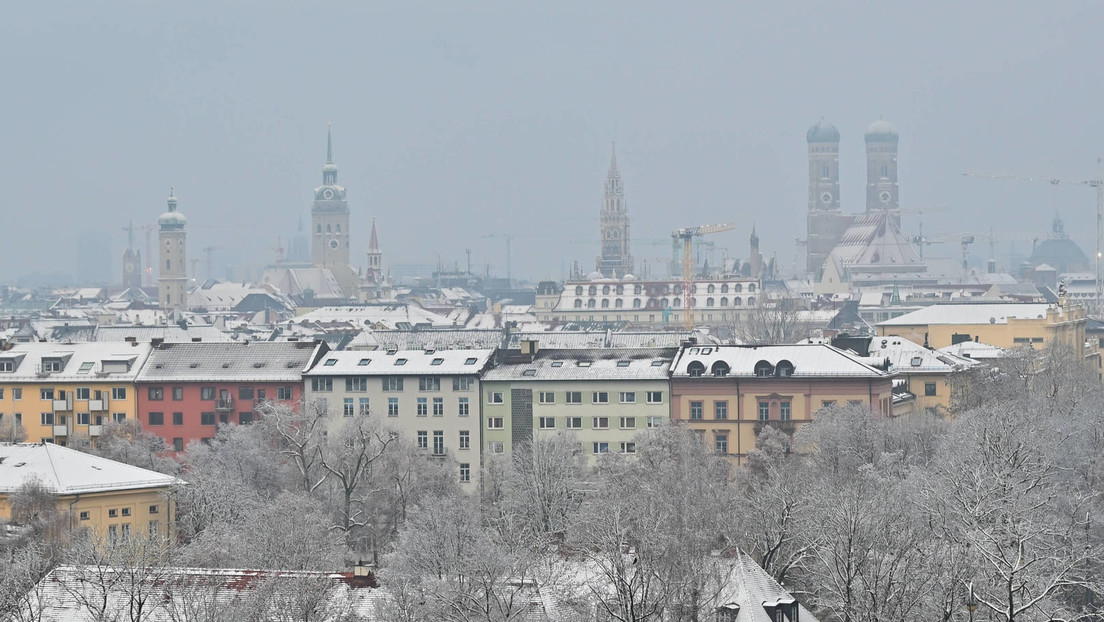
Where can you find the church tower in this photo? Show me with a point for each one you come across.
(375, 257)
(132, 262)
(330, 218)
(826, 223)
(615, 260)
(172, 282)
(881, 170)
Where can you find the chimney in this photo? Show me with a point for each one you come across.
(156, 342)
(529, 346)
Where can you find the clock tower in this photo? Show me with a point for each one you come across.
(825, 221)
(881, 170)
(132, 262)
(615, 260)
(330, 218)
(172, 281)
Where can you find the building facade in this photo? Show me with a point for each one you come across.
(603, 397)
(728, 394)
(58, 391)
(330, 217)
(825, 220)
(616, 259)
(652, 303)
(186, 390)
(429, 396)
(881, 170)
(172, 281)
(1004, 325)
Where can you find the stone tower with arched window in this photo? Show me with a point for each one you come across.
(172, 273)
(615, 260)
(881, 170)
(330, 218)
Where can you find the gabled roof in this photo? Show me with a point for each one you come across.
(247, 361)
(80, 362)
(808, 360)
(67, 471)
(401, 363)
(874, 242)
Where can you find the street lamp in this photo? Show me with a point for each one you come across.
(971, 601)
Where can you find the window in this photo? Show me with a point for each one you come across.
(655, 422)
(358, 384)
(17, 393)
(400, 362)
(423, 407)
(392, 407)
(154, 528)
(154, 509)
(465, 472)
(46, 394)
(112, 530)
(364, 407)
(245, 418)
(178, 444)
(206, 393)
(628, 423)
(465, 439)
(470, 361)
(600, 397)
(47, 418)
(720, 442)
(348, 409)
(178, 418)
(655, 397)
(628, 447)
(929, 389)
(113, 513)
(627, 397)
(573, 423)
(764, 411)
(178, 394)
(51, 364)
(392, 383)
(462, 407)
(548, 423)
(330, 362)
(438, 407)
(157, 418)
(494, 423)
(601, 448)
(285, 393)
(547, 397)
(828, 403)
(574, 397)
(363, 362)
(118, 417)
(207, 418)
(429, 383)
(84, 515)
(438, 442)
(423, 439)
(322, 385)
(495, 447)
(494, 397)
(83, 418)
(156, 394)
(437, 361)
(7, 365)
(599, 423)
(696, 409)
(83, 393)
(462, 384)
(720, 410)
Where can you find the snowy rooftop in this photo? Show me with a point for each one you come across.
(68, 471)
(256, 361)
(87, 362)
(582, 364)
(909, 357)
(808, 360)
(401, 363)
(972, 314)
(975, 350)
(384, 316)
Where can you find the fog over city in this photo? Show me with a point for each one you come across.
(452, 122)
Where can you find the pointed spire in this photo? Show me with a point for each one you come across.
(373, 241)
(329, 143)
(613, 172)
(172, 199)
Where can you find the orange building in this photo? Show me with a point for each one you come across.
(730, 393)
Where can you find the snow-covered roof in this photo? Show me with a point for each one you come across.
(247, 361)
(909, 357)
(76, 362)
(579, 364)
(389, 316)
(808, 360)
(171, 333)
(972, 314)
(975, 350)
(401, 363)
(66, 471)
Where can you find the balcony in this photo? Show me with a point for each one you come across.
(62, 405)
(61, 430)
(95, 430)
(97, 405)
(225, 403)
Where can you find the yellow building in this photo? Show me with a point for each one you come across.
(116, 500)
(57, 390)
(1005, 325)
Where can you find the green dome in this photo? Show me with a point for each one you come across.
(822, 132)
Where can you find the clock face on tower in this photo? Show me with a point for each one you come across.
(826, 197)
(168, 243)
(128, 268)
(328, 193)
(885, 196)
(334, 244)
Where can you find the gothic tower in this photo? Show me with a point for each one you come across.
(826, 223)
(132, 262)
(330, 218)
(755, 258)
(375, 258)
(172, 282)
(881, 170)
(615, 260)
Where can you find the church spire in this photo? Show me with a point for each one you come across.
(329, 171)
(613, 172)
(613, 176)
(373, 241)
(329, 143)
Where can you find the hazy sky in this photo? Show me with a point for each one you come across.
(453, 120)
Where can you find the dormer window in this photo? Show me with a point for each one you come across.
(7, 365)
(763, 369)
(51, 365)
(784, 369)
(696, 369)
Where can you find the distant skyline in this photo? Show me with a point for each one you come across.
(454, 121)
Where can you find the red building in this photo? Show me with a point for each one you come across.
(186, 390)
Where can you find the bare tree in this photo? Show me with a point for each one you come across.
(537, 492)
(298, 433)
(11, 431)
(347, 458)
(119, 578)
(771, 322)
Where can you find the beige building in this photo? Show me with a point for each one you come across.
(604, 397)
(430, 396)
(115, 500)
(1005, 325)
(654, 303)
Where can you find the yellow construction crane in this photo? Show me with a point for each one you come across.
(686, 235)
(1098, 184)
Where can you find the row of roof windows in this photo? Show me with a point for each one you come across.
(400, 361)
(657, 290)
(653, 303)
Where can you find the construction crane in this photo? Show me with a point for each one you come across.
(207, 251)
(686, 235)
(1098, 184)
(922, 240)
(509, 237)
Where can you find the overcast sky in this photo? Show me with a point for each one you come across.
(456, 120)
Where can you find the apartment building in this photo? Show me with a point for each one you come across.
(430, 396)
(185, 390)
(55, 391)
(728, 394)
(604, 397)
(1005, 325)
